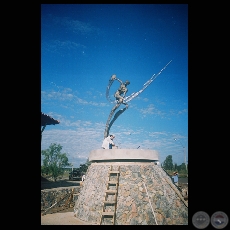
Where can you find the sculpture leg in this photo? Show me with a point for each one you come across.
(109, 118)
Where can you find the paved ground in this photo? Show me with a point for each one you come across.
(45, 184)
(64, 218)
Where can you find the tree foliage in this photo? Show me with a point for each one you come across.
(170, 167)
(175, 167)
(84, 167)
(168, 163)
(54, 161)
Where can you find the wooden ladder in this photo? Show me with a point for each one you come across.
(113, 192)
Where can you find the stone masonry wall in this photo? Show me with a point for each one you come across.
(146, 196)
(50, 196)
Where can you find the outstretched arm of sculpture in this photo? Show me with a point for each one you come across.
(114, 77)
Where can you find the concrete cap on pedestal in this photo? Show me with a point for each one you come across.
(123, 155)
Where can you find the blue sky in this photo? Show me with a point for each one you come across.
(83, 45)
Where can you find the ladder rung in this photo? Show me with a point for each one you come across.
(112, 182)
(108, 213)
(114, 172)
(110, 202)
(110, 191)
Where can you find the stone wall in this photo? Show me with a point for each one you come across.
(146, 196)
(50, 196)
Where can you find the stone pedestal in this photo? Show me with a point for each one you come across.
(146, 194)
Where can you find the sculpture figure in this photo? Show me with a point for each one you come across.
(121, 92)
(121, 98)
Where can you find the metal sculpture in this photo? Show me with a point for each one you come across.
(121, 98)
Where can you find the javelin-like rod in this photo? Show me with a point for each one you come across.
(147, 83)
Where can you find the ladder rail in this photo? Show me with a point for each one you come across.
(108, 192)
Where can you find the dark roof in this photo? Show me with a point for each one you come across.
(47, 120)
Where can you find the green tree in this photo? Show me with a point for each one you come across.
(175, 167)
(183, 167)
(84, 167)
(54, 161)
(168, 163)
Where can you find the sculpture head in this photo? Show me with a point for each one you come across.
(127, 82)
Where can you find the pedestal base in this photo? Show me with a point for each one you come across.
(123, 155)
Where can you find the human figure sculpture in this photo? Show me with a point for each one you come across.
(119, 95)
(121, 92)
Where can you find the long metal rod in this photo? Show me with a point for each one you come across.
(150, 204)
